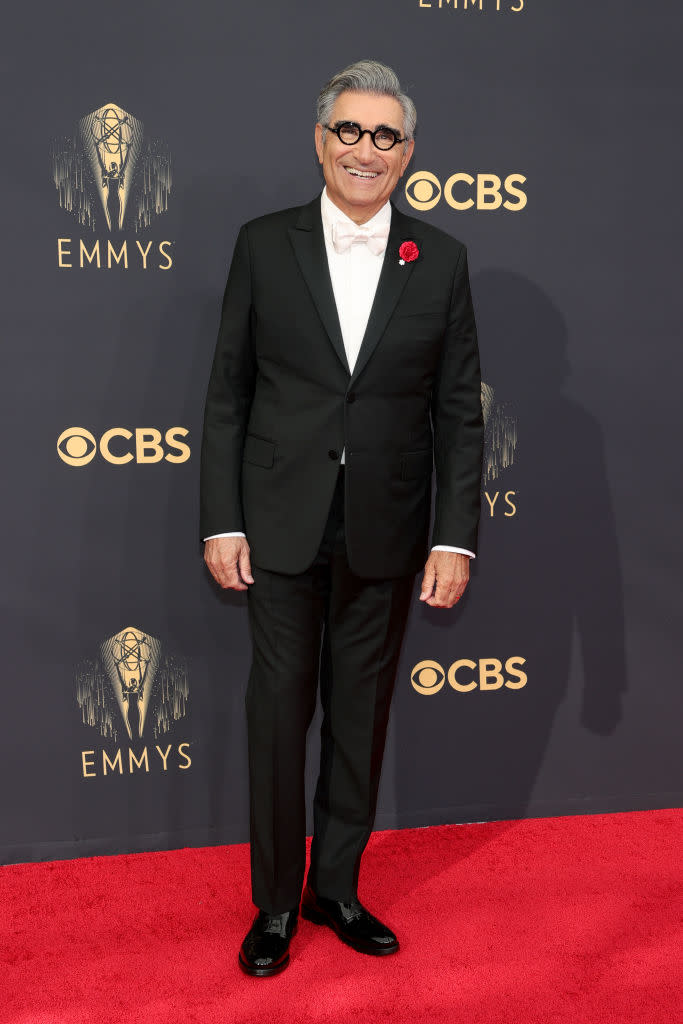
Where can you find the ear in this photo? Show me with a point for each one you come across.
(407, 154)
(319, 142)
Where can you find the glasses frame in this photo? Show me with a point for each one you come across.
(365, 131)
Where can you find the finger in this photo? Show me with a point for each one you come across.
(428, 581)
(244, 565)
(232, 579)
(457, 592)
(234, 583)
(441, 594)
(215, 570)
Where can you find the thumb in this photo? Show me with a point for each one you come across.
(244, 564)
(428, 581)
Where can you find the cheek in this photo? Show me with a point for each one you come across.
(338, 163)
(331, 164)
(394, 173)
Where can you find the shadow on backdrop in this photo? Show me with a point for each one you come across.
(545, 574)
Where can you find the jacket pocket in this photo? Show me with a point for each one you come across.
(258, 451)
(426, 314)
(415, 465)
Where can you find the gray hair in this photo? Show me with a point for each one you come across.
(366, 76)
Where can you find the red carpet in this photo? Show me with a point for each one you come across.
(532, 922)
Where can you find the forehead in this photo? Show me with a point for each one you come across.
(368, 109)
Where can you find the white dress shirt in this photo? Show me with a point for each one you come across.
(355, 276)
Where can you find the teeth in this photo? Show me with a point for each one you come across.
(362, 174)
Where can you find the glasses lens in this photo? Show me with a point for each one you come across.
(385, 138)
(349, 133)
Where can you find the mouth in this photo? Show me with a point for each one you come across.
(364, 175)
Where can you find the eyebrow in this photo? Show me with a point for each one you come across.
(349, 120)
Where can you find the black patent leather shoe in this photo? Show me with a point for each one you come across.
(265, 950)
(354, 925)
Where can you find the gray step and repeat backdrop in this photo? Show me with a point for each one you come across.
(138, 138)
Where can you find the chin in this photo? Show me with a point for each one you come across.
(363, 196)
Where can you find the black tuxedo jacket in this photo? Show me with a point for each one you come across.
(282, 405)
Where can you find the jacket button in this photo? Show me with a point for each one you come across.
(333, 454)
(351, 397)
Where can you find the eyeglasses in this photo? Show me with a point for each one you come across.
(350, 133)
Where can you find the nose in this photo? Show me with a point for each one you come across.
(365, 149)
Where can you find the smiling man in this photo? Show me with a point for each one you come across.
(346, 370)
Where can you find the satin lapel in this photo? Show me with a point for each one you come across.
(392, 280)
(309, 248)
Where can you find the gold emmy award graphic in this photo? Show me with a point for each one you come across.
(112, 139)
(500, 435)
(131, 659)
(132, 681)
(112, 177)
(133, 684)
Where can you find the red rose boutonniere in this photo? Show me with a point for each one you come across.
(408, 252)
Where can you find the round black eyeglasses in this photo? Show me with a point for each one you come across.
(350, 133)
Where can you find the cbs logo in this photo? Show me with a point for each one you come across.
(462, 191)
(77, 446)
(464, 675)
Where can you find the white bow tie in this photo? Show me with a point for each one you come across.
(344, 235)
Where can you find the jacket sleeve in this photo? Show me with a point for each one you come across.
(228, 401)
(458, 423)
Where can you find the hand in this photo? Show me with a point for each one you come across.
(228, 562)
(445, 577)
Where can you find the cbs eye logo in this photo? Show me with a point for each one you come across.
(423, 190)
(76, 446)
(428, 677)
(462, 191)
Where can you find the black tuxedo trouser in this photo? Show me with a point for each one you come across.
(331, 625)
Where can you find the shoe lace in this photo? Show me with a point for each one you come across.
(274, 925)
(352, 911)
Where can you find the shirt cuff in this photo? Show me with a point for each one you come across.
(214, 535)
(461, 551)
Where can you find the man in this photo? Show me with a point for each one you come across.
(346, 367)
